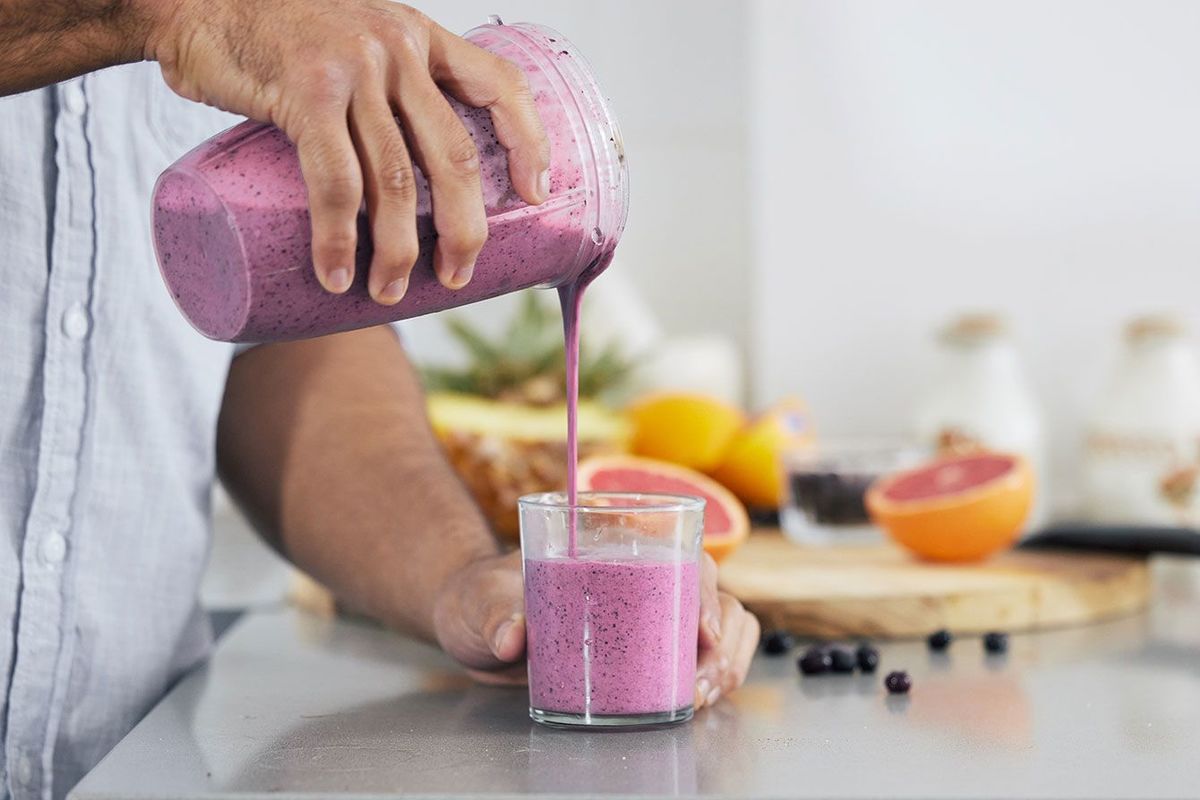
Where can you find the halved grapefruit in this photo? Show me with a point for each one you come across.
(962, 508)
(726, 523)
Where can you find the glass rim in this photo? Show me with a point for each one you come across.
(666, 502)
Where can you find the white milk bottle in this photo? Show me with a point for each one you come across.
(1141, 454)
(980, 398)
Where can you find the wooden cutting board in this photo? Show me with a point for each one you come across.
(881, 591)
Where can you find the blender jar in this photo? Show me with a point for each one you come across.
(233, 238)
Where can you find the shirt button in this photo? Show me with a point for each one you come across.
(73, 99)
(75, 322)
(54, 548)
(24, 770)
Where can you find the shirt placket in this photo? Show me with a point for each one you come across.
(44, 642)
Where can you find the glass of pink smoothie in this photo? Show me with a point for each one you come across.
(612, 603)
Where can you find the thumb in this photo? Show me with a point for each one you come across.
(479, 617)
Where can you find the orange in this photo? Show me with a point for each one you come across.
(751, 464)
(726, 523)
(686, 429)
(961, 508)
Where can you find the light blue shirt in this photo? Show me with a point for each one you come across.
(108, 408)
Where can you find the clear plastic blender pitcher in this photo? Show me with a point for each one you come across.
(233, 238)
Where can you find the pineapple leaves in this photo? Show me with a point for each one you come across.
(474, 342)
(526, 363)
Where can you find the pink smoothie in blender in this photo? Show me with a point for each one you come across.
(233, 238)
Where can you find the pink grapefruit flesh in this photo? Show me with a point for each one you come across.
(726, 522)
(954, 477)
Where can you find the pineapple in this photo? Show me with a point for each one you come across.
(502, 418)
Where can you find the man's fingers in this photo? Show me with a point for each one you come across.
(391, 193)
(711, 679)
(484, 80)
(710, 603)
(742, 654)
(723, 668)
(333, 176)
(449, 158)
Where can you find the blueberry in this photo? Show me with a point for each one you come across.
(841, 660)
(815, 661)
(897, 682)
(995, 642)
(940, 640)
(776, 643)
(868, 657)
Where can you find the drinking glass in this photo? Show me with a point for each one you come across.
(612, 597)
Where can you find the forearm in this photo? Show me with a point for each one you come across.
(44, 41)
(326, 446)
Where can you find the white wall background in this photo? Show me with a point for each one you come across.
(911, 159)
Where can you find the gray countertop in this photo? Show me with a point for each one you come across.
(295, 705)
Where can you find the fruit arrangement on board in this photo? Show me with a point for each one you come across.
(684, 443)
(501, 419)
(962, 506)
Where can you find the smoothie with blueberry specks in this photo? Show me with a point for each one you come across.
(611, 636)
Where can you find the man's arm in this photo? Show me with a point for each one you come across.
(325, 444)
(45, 41)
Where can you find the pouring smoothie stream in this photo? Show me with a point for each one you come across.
(234, 243)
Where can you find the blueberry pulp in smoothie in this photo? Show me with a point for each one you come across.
(611, 636)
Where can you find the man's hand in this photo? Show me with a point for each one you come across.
(728, 639)
(334, 75)
(479, 619)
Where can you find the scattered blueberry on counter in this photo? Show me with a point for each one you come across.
(778, 642)
(815, 661)
(821, 659)
(867, 657)
(940, 640)
(897, 682)
(995, 642)
(841, 660)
